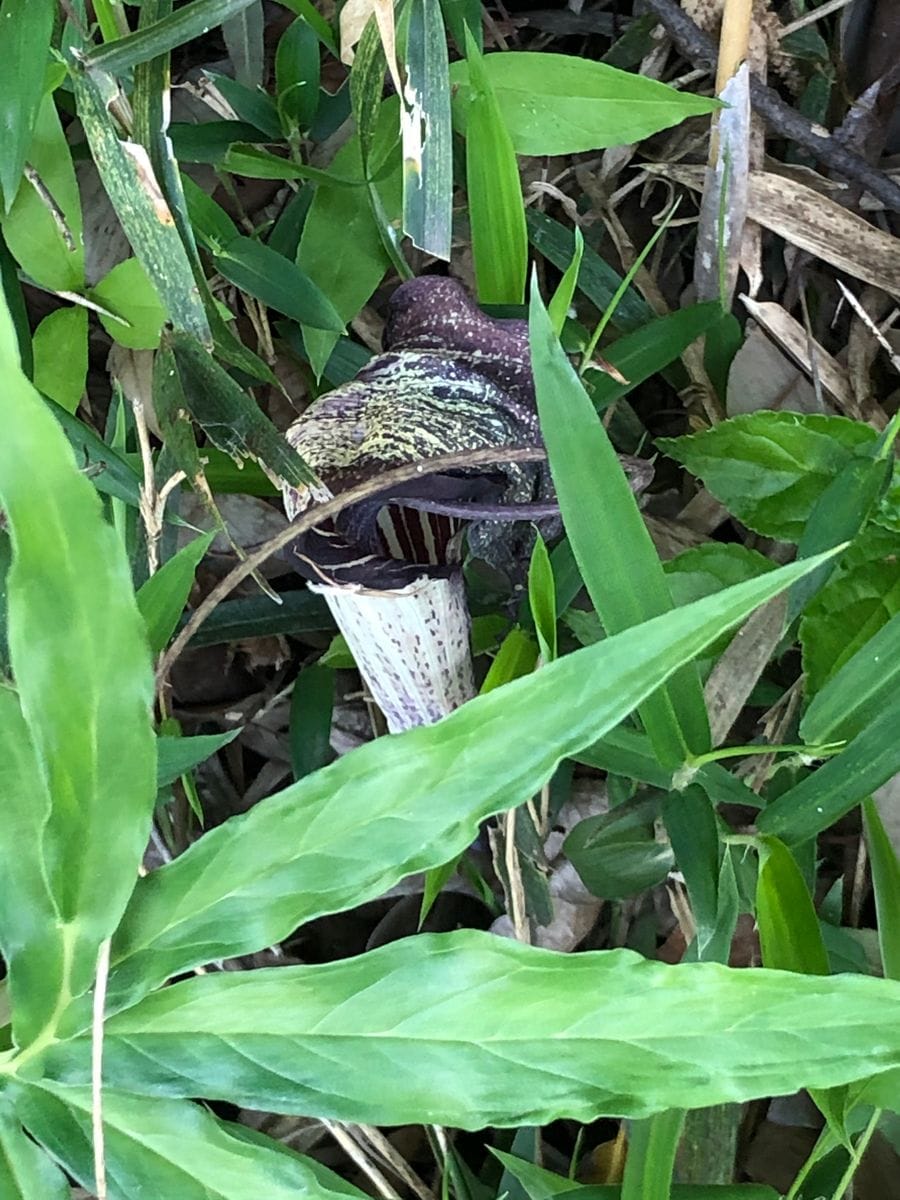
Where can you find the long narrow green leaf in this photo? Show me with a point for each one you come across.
(871, 759)
(262, 272)
(886, 886)
(401, 804)
(232, 420)
(789, 933)
(496, 213)
(82, 669)
(618, 561)
(421, 1030)
(652, 1144)
(171, 1150)
(859, 691)
(163, 597)
(27, 26)
(134, 191)
(427, 133)
(188, 22)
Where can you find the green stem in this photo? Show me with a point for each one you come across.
(858, 1151)
(650, 1163)
(825, 750)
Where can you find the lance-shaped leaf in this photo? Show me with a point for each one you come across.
(468, 1029)
(427, 133)
(82, 669)
(140, 205)
(167, 1148)
(401, 804)
(26, 1173)
(27, 26)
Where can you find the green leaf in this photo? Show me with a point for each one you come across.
(421, 1030)
(647, 350)
(163, 597)
(26, 1173)
(838, 516)
(542, 599)
(186, 23)
(297, 74)
(516, 656)
(27, 26)
(693, 831)
(650, 1161)
(769, 468)
(560, 104)
(128, 292)
(616, 854)
(596, 278)
(278, 282)
(394, 806)
(616, 557)
(178, 755)
(862, 687)
(427, 133)
(210, 223)
(496, 214)
(869, 760)
(34, 232)
(231, 419)
(789, 933)
(255, 162)
(341, 248)
(258, 616)
(168, 1148)
(60, 348)
(886, 886)
(851, 608)
(308, 10)
(561, 300)
(83, 674)
(134, 192)
(108, 471)
(312, 701)
(243, 36)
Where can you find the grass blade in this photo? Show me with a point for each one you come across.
(427, 133)
(27, 26)
(615, 554)
(886, 886)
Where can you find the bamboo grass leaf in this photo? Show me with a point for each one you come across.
(427, 133)
(26, 26)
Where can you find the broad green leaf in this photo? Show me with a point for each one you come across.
(789, 934)
(128, 292)
(515, 657)
(297, 75)
(560, 104)
(397, 805)
(537, 1182)
(231, 418)
(886, 886)
(162, 598)
(616, 854)
(850, 609)
(210, 223)
(860, 690)
(615, 555)
(142, 209)
(60, 349)
(178, 755)
(770, 468)
(423, 1029)
(186, 23)
(82, 670)
(308, 10)
(596, 278)
(278, 282)
(48, 245)
(427, 133)
(26, 1173)
(32, 942)
(838, 516)
(341, 249)
(252, 105)
(869, 760)
(168, 1148)
(27, 26)
(496, 213)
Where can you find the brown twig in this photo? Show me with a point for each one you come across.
(698, 47)
(326, 512)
